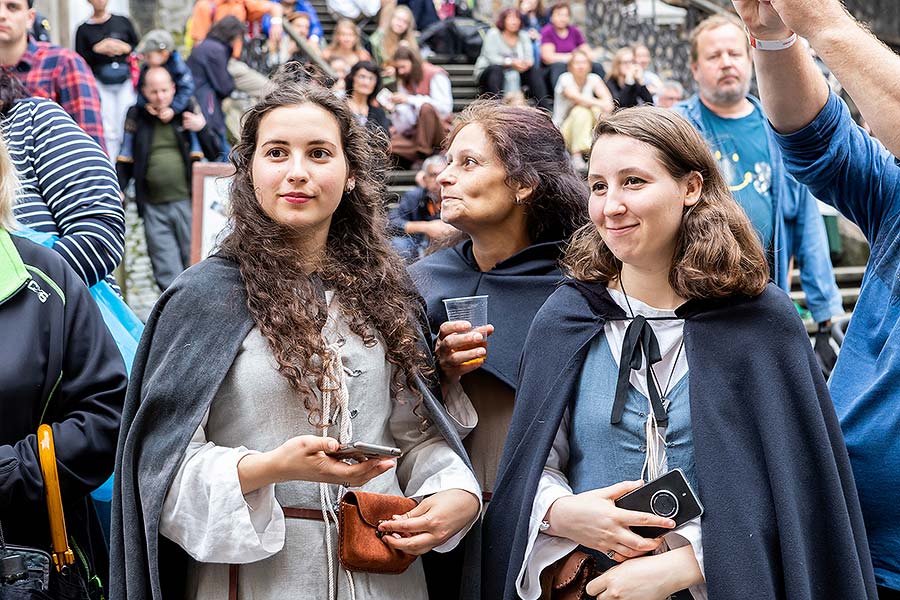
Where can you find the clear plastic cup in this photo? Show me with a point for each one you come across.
(472, 309)
(469, 308)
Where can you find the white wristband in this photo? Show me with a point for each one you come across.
(276, 20)
(773, 44)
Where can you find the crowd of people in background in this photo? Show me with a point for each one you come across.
(636, 245)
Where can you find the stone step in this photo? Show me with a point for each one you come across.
(849, 277)
(401, 177)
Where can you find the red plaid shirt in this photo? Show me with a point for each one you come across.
(57, 73)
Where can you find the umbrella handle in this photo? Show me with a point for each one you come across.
(61, 552)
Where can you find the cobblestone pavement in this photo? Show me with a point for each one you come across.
(140, 288)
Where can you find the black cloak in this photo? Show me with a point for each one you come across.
(782, 519)
(517, 287)
(190, 341)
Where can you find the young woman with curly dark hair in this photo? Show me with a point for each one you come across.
(300, 335)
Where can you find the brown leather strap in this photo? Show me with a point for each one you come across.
(486, 496)
(313, 514)
(290, 512)
(232, 582)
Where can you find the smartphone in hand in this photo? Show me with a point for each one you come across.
(360, 451)
(669, 496)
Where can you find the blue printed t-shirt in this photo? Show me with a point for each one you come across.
(741, 148)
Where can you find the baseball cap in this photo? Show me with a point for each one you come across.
(156, 39)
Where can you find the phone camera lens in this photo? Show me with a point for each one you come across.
(664, 503)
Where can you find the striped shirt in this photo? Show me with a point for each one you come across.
(67, 187)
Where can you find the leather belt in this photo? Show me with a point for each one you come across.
(313, 514)
(290, 512)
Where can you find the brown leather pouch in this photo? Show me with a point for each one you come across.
(359, 542)
(566, 578)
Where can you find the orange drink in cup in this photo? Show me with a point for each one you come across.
(472, 309)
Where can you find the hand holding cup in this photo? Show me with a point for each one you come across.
(462, 340)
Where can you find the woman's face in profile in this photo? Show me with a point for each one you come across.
(635, 203)
(299, 170)
(474, 194)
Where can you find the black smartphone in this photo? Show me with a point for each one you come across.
(360, 451)
(669, 496)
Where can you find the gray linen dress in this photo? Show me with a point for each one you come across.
(256, 409)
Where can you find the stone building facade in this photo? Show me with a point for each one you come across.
(612, 24)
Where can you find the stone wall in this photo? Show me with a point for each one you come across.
(612, 24)
(165, 14)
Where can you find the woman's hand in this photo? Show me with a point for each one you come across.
(460, 349)
(304, 458)
(434, 521)
(648, 577)
(593, 520)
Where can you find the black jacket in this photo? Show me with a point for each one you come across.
(135, 155)
(782, 519)
(54, 339)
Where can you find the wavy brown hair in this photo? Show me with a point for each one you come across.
(368, 278)
(717, 253)
(533, 153)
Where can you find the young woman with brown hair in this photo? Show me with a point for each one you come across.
(300, 335)
(668, 348)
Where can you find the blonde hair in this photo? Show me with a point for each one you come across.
(9, 188)
(710, 23)
(717, 253)
(615, 70)
(343, 23)
(391, 41)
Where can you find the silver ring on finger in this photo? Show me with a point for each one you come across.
(611, 554)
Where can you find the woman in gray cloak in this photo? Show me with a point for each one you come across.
(301, 334)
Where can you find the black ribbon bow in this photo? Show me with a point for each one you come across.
(640, 341)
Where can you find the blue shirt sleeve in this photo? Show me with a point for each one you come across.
(845, 167)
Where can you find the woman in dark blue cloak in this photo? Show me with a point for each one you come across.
(668, 348)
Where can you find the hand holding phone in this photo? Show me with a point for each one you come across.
(669, 496)
(361, 451)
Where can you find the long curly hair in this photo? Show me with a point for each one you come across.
(717, 253)
(368, 278)
(533, 152)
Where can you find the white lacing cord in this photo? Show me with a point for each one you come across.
(656, 461)
(334, 373)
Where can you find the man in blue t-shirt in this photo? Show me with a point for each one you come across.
(857, 174)
(783, 212)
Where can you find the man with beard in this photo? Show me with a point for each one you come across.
(783, 212)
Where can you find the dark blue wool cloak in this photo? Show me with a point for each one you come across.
(517, 287)
(782, 518)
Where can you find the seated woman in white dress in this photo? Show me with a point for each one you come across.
(300, 335)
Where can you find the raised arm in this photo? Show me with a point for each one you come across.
(791, 86)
